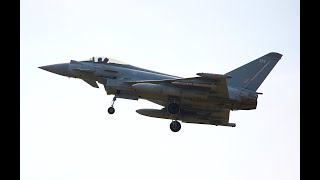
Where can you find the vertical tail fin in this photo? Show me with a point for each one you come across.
(251, 75)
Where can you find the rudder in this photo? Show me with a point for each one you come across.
(251, 75)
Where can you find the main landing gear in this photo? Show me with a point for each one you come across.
(111, 109)
(175, 126)
(173, 109)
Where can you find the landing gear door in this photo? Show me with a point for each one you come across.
(120, 89)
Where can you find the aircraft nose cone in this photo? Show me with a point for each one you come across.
(61, 69)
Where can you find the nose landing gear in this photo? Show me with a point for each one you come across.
(111, 109)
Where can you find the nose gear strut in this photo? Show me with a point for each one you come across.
(111, 109)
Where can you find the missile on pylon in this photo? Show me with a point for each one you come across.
(145, 89)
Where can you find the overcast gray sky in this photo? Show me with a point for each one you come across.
(67, 133)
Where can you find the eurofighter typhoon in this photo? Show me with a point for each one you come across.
(204, 99)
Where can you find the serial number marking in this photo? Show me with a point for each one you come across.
(262, 61)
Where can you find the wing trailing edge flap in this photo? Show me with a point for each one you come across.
(217, 117)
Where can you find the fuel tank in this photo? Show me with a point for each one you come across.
(183, 116)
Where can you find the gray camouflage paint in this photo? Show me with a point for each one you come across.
(205, 99)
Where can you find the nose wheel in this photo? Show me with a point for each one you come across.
(175, 126)
(111, 109)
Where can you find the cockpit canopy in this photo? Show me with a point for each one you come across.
(99, 59)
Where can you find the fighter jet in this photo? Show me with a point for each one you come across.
(204, 99)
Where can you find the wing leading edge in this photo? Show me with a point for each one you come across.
(216, 83)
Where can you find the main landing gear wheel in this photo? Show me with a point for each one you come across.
(175, 126)
(173, 108)
(111, 110)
